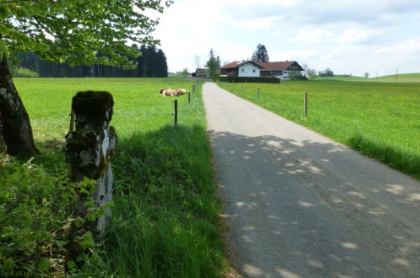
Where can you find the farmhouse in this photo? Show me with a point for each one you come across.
(241, 69)
(280, 70)
(200, 72)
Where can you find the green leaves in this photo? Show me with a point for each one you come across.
(73, 31)
(35, 215)
(4, 31)
(9, 264)
(43, 264)
(3, 47)
(87, 241)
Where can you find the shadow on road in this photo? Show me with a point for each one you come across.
(296, 209)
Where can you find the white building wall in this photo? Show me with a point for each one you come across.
(249, 70)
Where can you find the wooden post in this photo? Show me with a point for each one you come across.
(72, 116)
(258, 93)
(306, 103)
(241, 89)
(176, 111)
(189, 97)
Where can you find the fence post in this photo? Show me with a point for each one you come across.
(258, 93)
(88, 150)
(306, 103)
(189, 97)
(241, 89)
(176, 111)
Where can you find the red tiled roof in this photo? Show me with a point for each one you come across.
(276, 65)
(237, 64)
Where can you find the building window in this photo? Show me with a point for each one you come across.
(253, 70)
(243, 70)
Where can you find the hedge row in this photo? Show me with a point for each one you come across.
(247, 79)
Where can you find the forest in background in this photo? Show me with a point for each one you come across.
(152, 63)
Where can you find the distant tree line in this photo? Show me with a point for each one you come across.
(327, 72)
(152, 63)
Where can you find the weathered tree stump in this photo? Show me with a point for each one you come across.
(88, 150)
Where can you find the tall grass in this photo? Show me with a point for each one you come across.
(166, 215)
(380, 120)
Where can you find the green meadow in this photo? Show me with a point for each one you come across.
(380, 120)
(396, 78)
(165, 219)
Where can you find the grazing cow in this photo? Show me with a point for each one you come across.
(172, 93)
(169, 93)
(181, 92)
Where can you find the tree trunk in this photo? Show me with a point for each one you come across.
(17, 130)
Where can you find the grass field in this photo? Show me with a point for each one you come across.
(165, 221)
(381, 120)
(400, 78)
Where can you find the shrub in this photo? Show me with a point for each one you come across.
(297, 76)
(36, 220)
(247, 79)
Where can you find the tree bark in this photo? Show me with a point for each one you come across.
(17, 130)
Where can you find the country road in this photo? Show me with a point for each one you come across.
(300, 205)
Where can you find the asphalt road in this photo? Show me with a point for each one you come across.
(301, 205)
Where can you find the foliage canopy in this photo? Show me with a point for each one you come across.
(73, 31)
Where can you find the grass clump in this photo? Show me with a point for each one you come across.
(167, 189)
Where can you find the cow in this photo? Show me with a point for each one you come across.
(181, 92)
(169, 93)
(172, 93)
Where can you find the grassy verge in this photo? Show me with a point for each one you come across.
(165, 184)
(380, 120)
(165, 222)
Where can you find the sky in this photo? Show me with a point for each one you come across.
(379, 37)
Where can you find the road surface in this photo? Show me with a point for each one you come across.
(300, 205)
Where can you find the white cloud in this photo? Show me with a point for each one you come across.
(313, 36)
(359, 35)
(348, 37)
